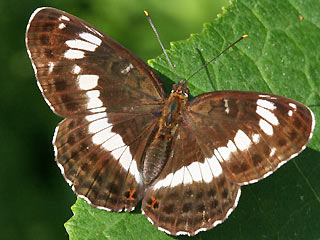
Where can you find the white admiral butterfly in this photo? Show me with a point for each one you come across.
(124, 140)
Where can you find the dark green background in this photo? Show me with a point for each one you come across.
(34, 198)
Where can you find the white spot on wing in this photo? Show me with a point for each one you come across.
(73, 54)
(165, 182)
(51, 66)
(62, 26)
(215, 166)
(217, 155)
(206, 173)
(112, 142)
(266, 127)
(268, 115)
(293, 106)
(65, 18)
(242, 141)
(266, 104)
(82, 45)
(93, 99)
(121, 152)
(226, 105)
(272, 152)
(96, 116)
(264, 96)
(256, 138)
(87, 82)
(97, 110)
(290, 113)
(127, 69)
(90, 38)
(226, 152)
(195, 172)
(102, 136)
(135, 172)
(187, 179)
(99, 125)
(76, 69)
(94, 31)
(177, 177)
(125, 159)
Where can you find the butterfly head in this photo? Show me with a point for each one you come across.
(181, 88)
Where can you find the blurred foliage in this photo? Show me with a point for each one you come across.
(34, 198)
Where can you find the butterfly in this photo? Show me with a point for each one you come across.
(124, 139)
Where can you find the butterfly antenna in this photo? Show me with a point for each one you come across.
(210, 61)
(163, 49)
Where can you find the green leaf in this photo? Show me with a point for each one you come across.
(91, 223)
(281, 56)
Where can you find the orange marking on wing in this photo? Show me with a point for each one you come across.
(131, 193)
(154, 204)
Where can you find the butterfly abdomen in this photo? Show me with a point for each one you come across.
(160, 148)
(155, 159)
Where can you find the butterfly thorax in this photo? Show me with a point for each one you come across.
(160, 148)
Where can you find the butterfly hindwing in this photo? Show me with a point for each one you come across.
(101, 158)
(251, 134)
(192, 193)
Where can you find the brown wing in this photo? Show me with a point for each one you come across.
(112, 100)
(251, 134)
(80, 70)
(100, 156)
(192, 193)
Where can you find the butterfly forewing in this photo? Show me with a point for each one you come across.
(80, 70)
(251, 134)
(111, 97)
